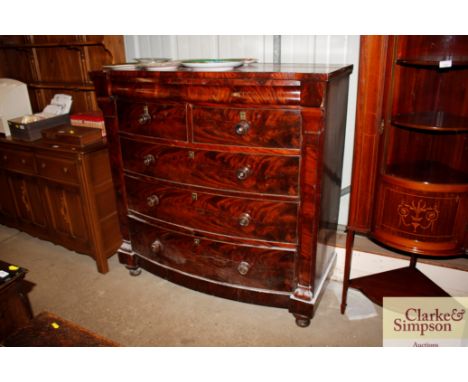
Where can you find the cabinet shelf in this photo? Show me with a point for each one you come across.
(71, 44)
(434, 62)
(78, 86)
(427, 172)
(435, 121)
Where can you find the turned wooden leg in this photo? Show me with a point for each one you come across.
(347, 269)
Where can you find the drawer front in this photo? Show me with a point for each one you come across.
(232, 216)
(223, 262)
(21, 161)
(59, 169)
(247, 127)
(153, 119)
(257, 173)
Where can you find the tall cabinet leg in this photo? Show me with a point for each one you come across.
(347, 268)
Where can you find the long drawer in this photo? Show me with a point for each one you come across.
(247, 266)
(247, 127)
(226, 215)
(268, 174)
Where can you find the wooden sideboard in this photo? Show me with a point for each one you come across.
(229, 182)
(61, 193)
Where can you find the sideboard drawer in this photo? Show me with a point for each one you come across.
(21, 161)
(232, 216)
(158, 120)
(247, 127)
(223, 262)
(59, 169)
(268, 174)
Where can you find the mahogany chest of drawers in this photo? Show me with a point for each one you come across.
(229, 182)
(61, 193)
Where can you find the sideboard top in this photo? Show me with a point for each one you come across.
(320, 72)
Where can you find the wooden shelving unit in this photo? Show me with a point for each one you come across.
(52, 64)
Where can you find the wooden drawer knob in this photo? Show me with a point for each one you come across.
(242, 128)
(43, 165)
(23, 161)
(152, 200)
(65, 170)
(243, 173)
(157, 246)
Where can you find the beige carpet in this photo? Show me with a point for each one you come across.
(149, 311)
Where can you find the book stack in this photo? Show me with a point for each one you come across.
(89, 119)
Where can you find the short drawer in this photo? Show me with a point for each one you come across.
(258, 173)
(247, 127)
(59, 169)
(167, 121)
(226, 215)
(21, 161)
(247, 266)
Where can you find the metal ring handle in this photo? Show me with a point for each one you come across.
(242, 128)
(157, 246)
(152, 200)
(243, 173)
(149, 160)
(244, 220)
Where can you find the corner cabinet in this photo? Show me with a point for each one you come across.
(412, 130)
(229, 182)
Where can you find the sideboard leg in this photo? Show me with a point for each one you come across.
(347, 269)
(134, 271)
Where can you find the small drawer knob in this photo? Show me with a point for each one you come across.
(244, 220)
(148, 160)
(65, 170)
(243, 173)
(145, 117)
(43, 165)
(23, 161)
(243, 268)
(152, 200)
(242, 128)
(156, 246)
(5, 157)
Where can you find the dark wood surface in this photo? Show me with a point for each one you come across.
(402, 282)
(58, 64)
(15, 309)
(50, 330)
(62, 193)
(410, 186)
(220, 175)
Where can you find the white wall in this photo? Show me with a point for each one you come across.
(294, 49)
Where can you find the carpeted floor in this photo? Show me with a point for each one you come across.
(149, 311)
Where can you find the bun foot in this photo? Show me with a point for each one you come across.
(302, 322)
(135, 271)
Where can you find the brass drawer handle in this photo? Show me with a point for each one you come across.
(243, 173)
(157, 246)
(145, 117)
(244, 220)
(149, 160)
(243, 268)
(242, 128)
(152, 200)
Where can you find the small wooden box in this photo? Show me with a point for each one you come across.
(73, 135)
